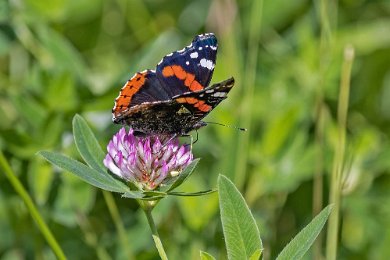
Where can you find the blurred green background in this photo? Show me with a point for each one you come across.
(58, 58)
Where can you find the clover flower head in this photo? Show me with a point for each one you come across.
(147, 161)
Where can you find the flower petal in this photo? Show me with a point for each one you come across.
(145, 161)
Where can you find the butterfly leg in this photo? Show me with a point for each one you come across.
(192, 139)
(166, 142)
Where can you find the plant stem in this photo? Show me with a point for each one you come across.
(336, 178)
(4, 166)
(147, 206)
(114, 212)
(319, 169)
(90, 237)
(248, 94)
(325, 55)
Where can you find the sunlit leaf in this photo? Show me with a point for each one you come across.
(278, 130)
(30, 110)
(53, 130)
(87, 145)
(40, 180)
(62, 52)
(61, 93)
(133, 195)
(204, 208)
(256, 255)
(73, 196)
(206, 256)
(242, 237)
(297, 248)
(91, 176)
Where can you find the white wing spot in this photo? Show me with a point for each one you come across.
(219, 94)
(206, 64)
(200, 48)
(213, 48)
(182, 50)
(187, 62)
(194, 55)
(201, 95)
(209, 91)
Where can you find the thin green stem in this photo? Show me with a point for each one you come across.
(319, 169)
(4, 166)
(148, 206)
(325, 54)
(250, 79)
(338, 163)
(114, 212)
(91, 238)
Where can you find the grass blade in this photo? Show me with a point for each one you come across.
(306, 237)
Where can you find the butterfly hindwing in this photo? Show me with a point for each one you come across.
(203, 101)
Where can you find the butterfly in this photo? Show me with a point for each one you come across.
(175, 97)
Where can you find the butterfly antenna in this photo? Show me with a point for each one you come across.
(230, 126)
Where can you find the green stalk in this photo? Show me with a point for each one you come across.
(114, 212)
(4, 166)
(249, 83)
(91, 238)
(325, 54)
(338, 163)
(148, 206)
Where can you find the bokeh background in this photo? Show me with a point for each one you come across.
(59, 58)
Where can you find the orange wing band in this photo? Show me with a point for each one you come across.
(200, 104)
(131, 87)
(180, 73)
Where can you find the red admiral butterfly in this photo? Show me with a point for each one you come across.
(173, 99)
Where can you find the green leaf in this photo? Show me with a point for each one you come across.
(133, 194)
(52, 132)
(61, 51)
(206, 256)
(30, 110)
(239, 227)
(278, 130)
(91, 176)
(152, 193)
(5, 42)
(63, 83)
(40, 180)
(87, 145)
(256, 255)
(191, 194)
(72, 196)
(141, 196)
(302, 242)
(182, 176)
